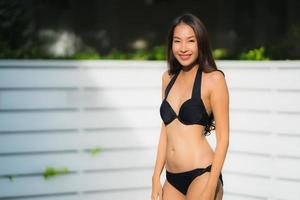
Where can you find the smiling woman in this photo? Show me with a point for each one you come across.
(185, 44)
(195, 95)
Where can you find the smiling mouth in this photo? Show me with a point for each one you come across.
(185, 57)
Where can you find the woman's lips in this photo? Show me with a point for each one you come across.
(185, 57)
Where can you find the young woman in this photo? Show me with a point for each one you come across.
(195, 100)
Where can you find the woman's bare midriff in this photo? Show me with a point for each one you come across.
(187, 147)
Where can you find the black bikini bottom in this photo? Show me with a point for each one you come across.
(182, 180)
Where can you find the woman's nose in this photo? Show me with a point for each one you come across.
(183, 47)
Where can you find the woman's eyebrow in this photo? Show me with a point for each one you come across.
(187, 37)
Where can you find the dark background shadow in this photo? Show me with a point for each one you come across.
(102, 26)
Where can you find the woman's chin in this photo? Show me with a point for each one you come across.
(186, 64)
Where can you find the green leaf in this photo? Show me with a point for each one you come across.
(51, 171)
(95, 151)
(254, 54)
(10, 177)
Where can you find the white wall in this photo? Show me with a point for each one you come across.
(264, 157)
(54, 112)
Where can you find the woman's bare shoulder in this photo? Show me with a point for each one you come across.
(216, 76)
(166, 77)
(216, 79)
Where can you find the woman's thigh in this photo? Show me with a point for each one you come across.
(198, 185)
(219, 191)
(171, 193)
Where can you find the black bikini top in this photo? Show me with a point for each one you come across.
(192, 111)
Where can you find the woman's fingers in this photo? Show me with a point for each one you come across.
(160, 195)
(154, 196)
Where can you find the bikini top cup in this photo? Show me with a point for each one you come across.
(192, 111)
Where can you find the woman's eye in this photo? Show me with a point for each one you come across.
(191, 40)
(176, 41)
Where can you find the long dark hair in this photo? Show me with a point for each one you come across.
(205, 56)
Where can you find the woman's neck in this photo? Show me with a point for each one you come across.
(186, 71)
(189, 72)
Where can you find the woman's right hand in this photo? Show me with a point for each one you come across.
(156, 189)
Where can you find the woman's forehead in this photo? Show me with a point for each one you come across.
(183, 31)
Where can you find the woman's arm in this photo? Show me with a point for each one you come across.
(219, 99)
(162, 145)
(161, 154)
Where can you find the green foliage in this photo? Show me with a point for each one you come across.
(254, 54)
(85, 56)
(95, 151)
(138, 55)
(116, 55)
(31, 52)
(220, 53)
(11, 177)
(51, 171)
(158, 53)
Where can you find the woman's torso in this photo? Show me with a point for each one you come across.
(187, 146)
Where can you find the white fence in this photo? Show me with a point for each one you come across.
(55, 113)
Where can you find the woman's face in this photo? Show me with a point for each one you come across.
(185, 47)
